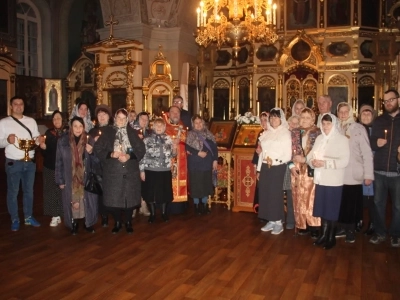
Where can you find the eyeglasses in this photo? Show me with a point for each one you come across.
(389, 100)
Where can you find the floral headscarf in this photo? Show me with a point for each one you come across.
(121, 142)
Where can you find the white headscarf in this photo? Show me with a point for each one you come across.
(319, 153)
(294, 105)
(344, 125)
(88, 120)
(284, 123)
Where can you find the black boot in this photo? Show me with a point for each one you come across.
(90, 229)
(314, 232)
(197, 209)
(323, 234)
(129, 228)
(370, 230)
(104, 220)
(359, 226)
(74, 229)
(152, 209)
(206, 211)
(117, 227)
(164, 212)
(331, 241)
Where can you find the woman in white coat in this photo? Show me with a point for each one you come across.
(329, 157)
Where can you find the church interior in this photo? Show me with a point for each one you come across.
(225, 58)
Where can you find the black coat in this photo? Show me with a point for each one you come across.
(63, 176)
(121, 181)
(385, 158)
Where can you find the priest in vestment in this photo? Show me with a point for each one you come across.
(177, 130)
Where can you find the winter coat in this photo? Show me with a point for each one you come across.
(385, 158)
(121, 181)
(63, 176)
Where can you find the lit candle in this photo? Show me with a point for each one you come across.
(268, 13)
(99, 132)
(385, 134)
(204, 18)
(44, 137)
(258, 108)
(274, 14)
(198, 17)
(201, 13)
(255, 9)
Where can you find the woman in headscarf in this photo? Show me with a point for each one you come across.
(303, 187)
(359, 171)
(202, 161)
(155, 169)
(271, 168)
(367, 117)
(329, 157)
(74, 160)
(81, 110)
(52, 201)
(120, 149)
(264, 124)
(103, 118)
(297, 107)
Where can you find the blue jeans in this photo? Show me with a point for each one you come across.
(382, 186)
(20, 171)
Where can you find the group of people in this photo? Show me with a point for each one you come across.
(330, 169)
(133, 163)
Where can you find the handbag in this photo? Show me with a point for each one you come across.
(93, 182)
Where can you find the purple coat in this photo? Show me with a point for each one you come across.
(63, 175)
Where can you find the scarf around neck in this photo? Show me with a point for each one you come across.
(195, 138)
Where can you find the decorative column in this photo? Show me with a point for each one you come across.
(99, 83)
(130, 101)
(355, 92)
(232, 110)
(251, 92)
(320, 84)
(279, 103)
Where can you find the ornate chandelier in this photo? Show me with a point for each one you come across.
(235, 22)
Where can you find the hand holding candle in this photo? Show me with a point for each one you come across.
(385, 134)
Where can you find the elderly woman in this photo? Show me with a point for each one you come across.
(155, 169)
(271, 168)
(202, 160)
(367, 116)
(297, 107)
(103, 119)
(82, 110)
(329, 157)
(303, 188)
(52, 201)
(359, 171)
(264, 124)
(120, 149)
(74, 160)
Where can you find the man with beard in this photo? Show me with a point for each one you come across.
(385, 140)
(177, 130)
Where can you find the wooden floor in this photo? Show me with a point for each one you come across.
(220, 256)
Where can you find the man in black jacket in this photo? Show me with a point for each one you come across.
(186, 118)
(385, 140)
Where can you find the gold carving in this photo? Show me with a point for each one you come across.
(266, 81)
(221, 84)
(116, 79)
(338, 80)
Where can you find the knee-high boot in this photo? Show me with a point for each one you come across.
(152, 208)
(164, 212)
(331, 240)
(74, 229)
(323, 234)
